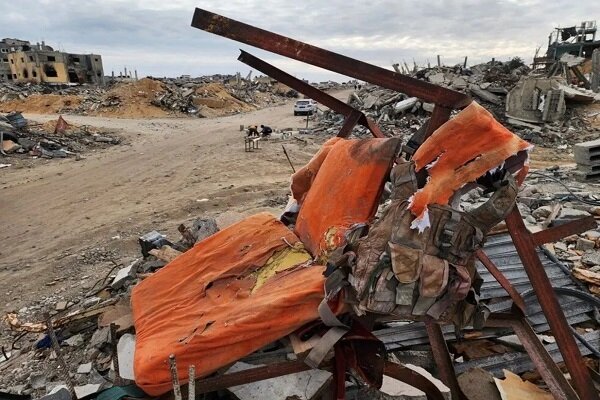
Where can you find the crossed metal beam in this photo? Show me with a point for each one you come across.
(445, 101)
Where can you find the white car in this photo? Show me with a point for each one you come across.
(305, 106)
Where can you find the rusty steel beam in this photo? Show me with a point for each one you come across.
(308, 90)
(549, 371)
(525, 244)
(349, 123)
(505, 283)
(439, 116)
(214, 383)
(441, 355)
(556, 233)
(250, 35)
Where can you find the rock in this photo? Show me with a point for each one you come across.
(74, 341)
(524, 209)
(542, 212)
(17, 389)
(405, 104)
(37, 381)
(428, 107)
(437, 79)
(61, 306)
(125, 352)
(203, 228)
(58, 393)
(84, 368)
(478, 384)
(585, 244)
(123, 275)
(560, 246)
(530, 219)
(591, 258)
(568, 214)
(592, 235)
(100, 338)
(85, 390)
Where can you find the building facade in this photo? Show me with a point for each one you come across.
(22, 62)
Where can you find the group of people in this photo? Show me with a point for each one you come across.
(264, 131)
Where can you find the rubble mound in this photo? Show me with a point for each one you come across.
(213, 100)
(132, 100)
(43, 104)
(210, 96)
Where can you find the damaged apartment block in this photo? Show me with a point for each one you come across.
(22, 62)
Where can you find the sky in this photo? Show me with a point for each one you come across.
(155, 38)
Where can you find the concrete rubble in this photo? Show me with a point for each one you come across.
(53, 139)
(499, 86)
(201, 97)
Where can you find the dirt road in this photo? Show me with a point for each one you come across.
(66, 223)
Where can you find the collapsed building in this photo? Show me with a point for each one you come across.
(20, 61)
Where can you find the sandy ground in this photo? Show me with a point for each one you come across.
(66, 223)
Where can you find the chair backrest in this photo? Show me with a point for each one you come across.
(345, 191)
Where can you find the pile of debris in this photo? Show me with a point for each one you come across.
(78, 353)
(148, 97)
(53, 139)
(508, 90)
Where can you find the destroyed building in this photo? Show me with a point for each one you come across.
(578, 41)
(40, 63)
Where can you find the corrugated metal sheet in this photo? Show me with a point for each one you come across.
(518, 362)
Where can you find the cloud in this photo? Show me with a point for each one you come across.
(155, 37)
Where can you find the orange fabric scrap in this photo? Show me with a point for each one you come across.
(459, 152)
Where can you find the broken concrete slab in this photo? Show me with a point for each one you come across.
(61, 306)
(74, 341)
(60, 392)
(584, 244)
(437, 79)
(124, 275)
(100, 338)
(587, 153)
(305, 385)
(37, 381)
(485, 95)
(84, 368)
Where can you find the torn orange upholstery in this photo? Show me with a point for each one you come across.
(304, 177)
(207, 308)
(345, 191)
(452, 162)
